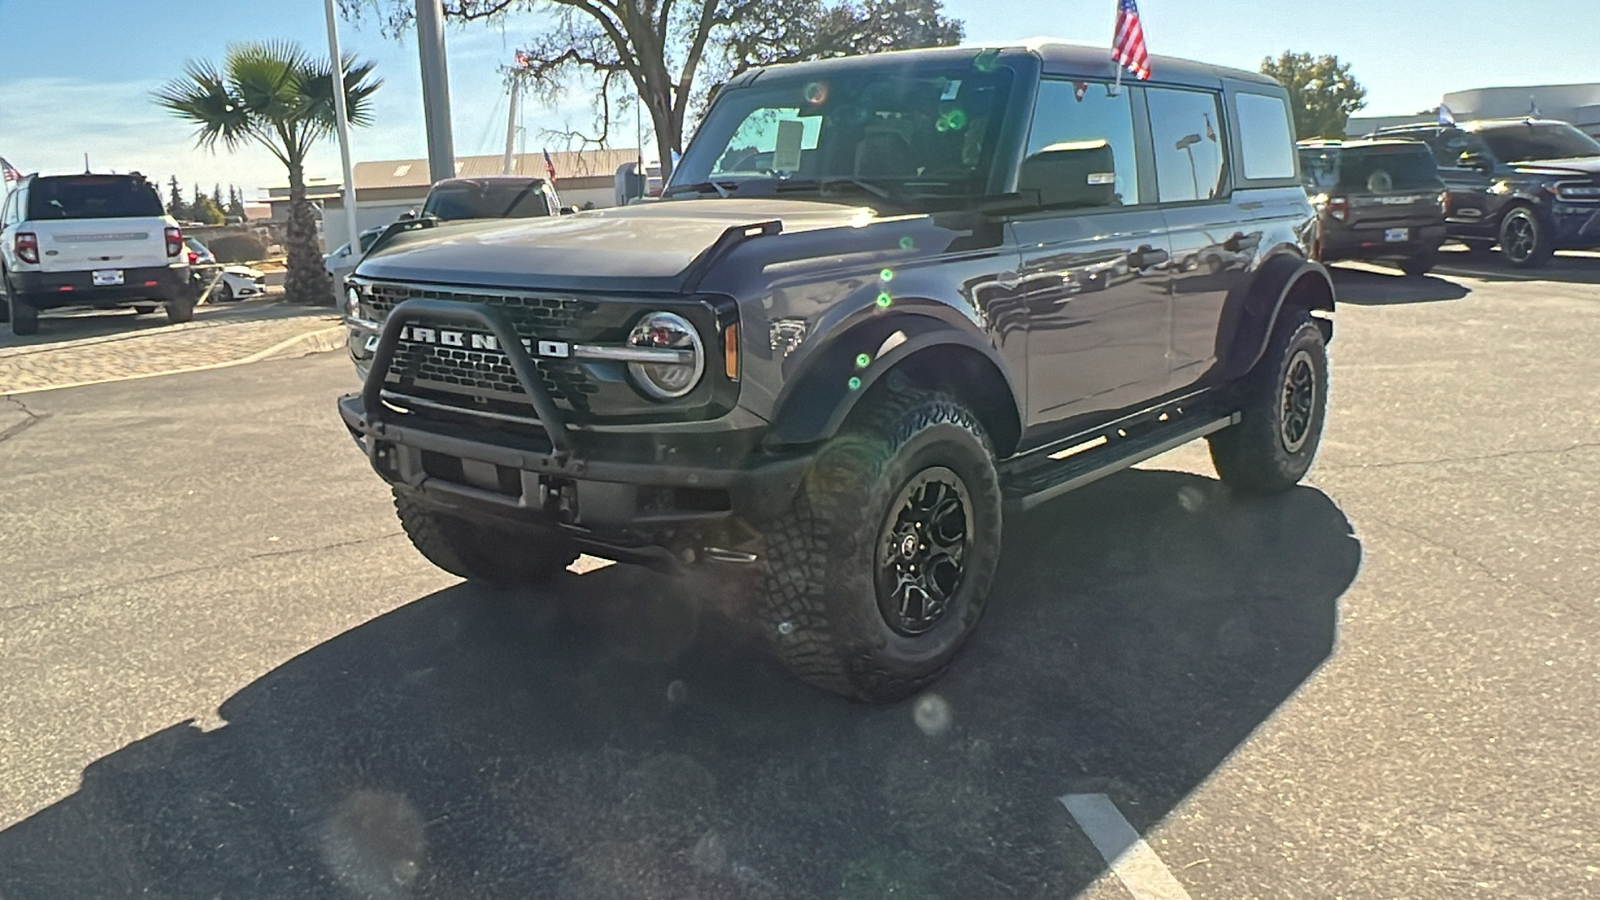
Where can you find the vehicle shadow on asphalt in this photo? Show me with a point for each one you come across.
(1364, 287)
(1565, 268)
(77, 324)
(604, 738)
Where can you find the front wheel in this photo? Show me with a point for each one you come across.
(1524, 239)
(1282, 404)
(500, 557)
(881, 568)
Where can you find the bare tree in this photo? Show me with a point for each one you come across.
(668, 51)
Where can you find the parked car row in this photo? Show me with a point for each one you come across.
(1527, 187)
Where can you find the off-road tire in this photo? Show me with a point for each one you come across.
(1525, 239)
(180, 309)
(24, 318)
(502, 558)
(819, 601)
(1420, 264)
(1256, 456)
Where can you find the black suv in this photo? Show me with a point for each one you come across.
(1376, 200)
(883, 300)
(1532, 186)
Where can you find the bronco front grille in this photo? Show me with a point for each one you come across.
(480, 378)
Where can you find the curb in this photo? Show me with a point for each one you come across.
(319, 341)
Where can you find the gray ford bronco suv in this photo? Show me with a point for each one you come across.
(882, 302)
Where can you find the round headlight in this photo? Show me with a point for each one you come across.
(667, 380)
(352, 303)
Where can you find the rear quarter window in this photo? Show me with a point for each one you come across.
(93, 197)
(1266, 140)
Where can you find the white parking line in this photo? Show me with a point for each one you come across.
(1130, 858)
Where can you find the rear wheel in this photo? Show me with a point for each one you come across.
(1282, 405)
(881, 568)
(1524, 239)
(501, 557)
(1420, 264)
(180, 309)
(24, 318)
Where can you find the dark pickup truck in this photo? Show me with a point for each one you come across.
(1529, 186)
(882, 301)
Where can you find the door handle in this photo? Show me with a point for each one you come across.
(1147, 256)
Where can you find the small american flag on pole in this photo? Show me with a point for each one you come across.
(10, 172)
(1128, 48)
(549, 167)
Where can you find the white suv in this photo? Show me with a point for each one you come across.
(101, 241)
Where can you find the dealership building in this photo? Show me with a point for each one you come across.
(1575, 103)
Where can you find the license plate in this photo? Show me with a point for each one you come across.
(107, 276)
(1396, 235)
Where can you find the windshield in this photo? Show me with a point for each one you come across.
(93, 197)
(1539, 140)
(917, 132)
(499, 199)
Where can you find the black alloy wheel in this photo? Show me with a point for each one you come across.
(1299, 401)
(1522, 239)
(922, 550)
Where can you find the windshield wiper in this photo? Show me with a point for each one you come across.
(821, 185)
(699, 187)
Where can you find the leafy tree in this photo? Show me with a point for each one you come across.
(205, 211)
(669, 51)
(176, 208)
(216, 196)
(276, 95)
(1321, 89)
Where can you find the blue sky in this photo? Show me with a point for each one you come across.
(75, 75)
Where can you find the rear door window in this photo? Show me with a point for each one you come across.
(93, 197)
(1190, 158)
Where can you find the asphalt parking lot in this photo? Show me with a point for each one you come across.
(228, 675)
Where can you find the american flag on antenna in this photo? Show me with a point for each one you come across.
(9, 171)
(549, 167)
(521, 60)
(1128, 48)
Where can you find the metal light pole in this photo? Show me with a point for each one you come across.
(341, 118)
(435, 90)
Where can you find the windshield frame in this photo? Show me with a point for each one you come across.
(1003, 154)
(1488, 137)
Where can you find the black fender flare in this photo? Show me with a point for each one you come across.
(1281, 277)
(815, 402)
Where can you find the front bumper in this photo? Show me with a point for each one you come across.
(46, 290)
(620, 487)
(1577, 226)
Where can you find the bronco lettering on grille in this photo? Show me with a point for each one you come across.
(444, 337)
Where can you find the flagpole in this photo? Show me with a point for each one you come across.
(341, 122)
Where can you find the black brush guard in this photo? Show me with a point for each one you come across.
(454, 312)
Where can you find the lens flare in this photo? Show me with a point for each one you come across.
(886, 275)
(863, 360)
(854, 383)
(884, 300)
(906, 243)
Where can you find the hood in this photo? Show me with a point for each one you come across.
(1586, 166)
(644, 247)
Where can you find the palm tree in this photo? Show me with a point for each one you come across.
(275, 95)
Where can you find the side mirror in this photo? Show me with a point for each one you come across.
(1473, 160)
(1071, 174)
(568, 210)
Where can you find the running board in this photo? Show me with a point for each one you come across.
(1105, 454)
